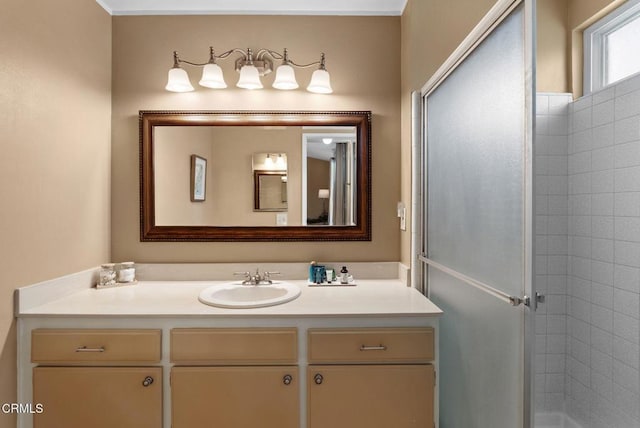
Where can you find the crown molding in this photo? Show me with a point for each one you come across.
(254, 7)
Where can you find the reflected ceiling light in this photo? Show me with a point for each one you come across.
(327, 141)
(251, 67)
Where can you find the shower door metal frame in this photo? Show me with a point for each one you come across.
(420, 261)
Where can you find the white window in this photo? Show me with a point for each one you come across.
(612, 47)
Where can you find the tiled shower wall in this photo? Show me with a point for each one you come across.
(587, 206)
(602, 386)
(551, 209)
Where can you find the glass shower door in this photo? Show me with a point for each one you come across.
(477, 246)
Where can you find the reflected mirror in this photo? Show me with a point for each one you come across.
(269, 176)
(270, 183)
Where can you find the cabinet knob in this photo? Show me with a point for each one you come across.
(318, 379)
(287, 379)
(147, 381)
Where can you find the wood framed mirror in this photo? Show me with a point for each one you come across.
(327, 171)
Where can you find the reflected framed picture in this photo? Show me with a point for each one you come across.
(198, 178)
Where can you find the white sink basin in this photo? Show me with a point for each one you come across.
(236, 295)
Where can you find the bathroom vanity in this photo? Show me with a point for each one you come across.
(151, 355)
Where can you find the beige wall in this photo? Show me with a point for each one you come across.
(553, 53)
(55, 76)
(364, 61)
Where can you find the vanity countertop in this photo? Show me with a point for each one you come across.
(370, 298)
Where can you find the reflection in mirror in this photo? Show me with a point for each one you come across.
(270, 183)
(269, 176)
(329, 197)
(270, 191)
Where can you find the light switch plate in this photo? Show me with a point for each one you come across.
(281, 219)
(402, 214)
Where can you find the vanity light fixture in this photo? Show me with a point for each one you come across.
(251, 67)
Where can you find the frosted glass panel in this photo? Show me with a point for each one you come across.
(621, 47)
(480, 360)
(475, 166)
(475, 134)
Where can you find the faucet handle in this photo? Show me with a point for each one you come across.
(247, 276)
(267, 276)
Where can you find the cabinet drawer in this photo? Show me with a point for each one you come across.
(85, 346)
(379, 345)
(234, 346)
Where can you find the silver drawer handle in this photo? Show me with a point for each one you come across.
(287, 379)
(85, 349)
(147, 381)
(373, 348)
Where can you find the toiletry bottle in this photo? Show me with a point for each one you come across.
(330, 275)
(344, 275)
(312, 272)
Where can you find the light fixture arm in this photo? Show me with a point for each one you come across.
(286, 60)
(249, 57)
(311, 64)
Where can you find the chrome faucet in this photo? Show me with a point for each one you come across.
(256, 278)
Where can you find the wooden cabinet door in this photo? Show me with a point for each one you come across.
(235, 397)
(370, 396)
(98, 397)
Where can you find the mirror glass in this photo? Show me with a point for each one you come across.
(264, 170)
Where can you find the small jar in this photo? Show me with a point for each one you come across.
(126, 272)
(107, 275)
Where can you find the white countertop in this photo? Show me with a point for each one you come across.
(370, 298)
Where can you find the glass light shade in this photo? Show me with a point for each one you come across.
(178, 81)
(212, 77)
(323, 193)
(327, 141)
(285, 78)
(320, 82)
(249, 78)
